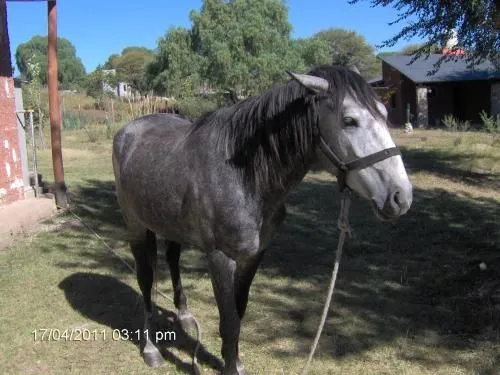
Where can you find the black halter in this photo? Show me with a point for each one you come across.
(354, 164)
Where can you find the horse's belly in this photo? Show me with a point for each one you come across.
(165, 205)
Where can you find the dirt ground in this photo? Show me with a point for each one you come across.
(23, 217)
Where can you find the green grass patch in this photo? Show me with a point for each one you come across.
(411, 298)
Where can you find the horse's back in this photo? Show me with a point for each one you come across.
(147, 130)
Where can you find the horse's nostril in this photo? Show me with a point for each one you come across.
(396, 198)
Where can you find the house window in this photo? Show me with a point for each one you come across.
(393, 100)
(124, 87)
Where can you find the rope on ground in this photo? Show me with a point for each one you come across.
(343, 225)
(194, 361)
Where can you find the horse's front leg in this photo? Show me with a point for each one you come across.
(144, 251)
(231, 283)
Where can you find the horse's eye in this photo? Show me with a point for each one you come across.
(349, 121)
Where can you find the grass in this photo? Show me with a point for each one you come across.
(410, 299)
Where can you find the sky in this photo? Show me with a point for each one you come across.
(100, 28)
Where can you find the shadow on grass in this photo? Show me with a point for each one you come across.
(449, 165)
(417, 278)
(108, 301)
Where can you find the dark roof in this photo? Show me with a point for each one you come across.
(376, 80)
(453, 70)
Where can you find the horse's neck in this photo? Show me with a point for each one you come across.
(275, 193)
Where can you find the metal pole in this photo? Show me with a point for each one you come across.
(55, 114)
(33, 146)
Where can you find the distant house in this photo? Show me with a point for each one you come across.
(122, 89)
(454, 89)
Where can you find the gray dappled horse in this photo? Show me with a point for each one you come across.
(220, 183)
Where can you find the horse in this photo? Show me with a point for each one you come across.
(220, 183)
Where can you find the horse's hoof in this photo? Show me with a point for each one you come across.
(240, 370)
(187, 321)
(152, 356)
(153, 359)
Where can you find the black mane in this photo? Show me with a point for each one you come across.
(263, 134)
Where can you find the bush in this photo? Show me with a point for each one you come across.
(464, 125)
(490, 123)
(450, 123)
(194, 107)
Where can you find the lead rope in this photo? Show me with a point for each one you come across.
(194, 361)
(343, 225)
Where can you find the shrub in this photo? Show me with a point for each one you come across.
(453, 124)
(464, 125)
(194, 107)
(94, 132)
(490, 123)
(450, 122)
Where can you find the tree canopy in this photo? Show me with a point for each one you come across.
(246, 46)
(245, 43)
(176, 67)
(340, 47)
(111, 62)
(70, 68)
(131, 67)
(476, 22)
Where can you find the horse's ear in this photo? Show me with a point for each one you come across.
(312, 83)
(354, 68)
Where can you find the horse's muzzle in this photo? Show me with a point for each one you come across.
(397, 203)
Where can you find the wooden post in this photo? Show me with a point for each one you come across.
(54, 112)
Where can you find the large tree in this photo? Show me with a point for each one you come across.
(246, 43)
(70, 68)
(476, 22)
(175, 69)
(340, 47)
(131, 67)
(111, 62)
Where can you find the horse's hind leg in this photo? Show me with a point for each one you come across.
(173, 255)
(144, 250)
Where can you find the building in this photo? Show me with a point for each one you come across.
(454, 89)
(121, 90)
(13, 173)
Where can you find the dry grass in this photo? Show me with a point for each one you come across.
(411, 298)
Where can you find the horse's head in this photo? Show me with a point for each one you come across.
(355, 142)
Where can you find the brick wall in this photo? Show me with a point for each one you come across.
(11, 174)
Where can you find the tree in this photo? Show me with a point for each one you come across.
(94, 83)
(246, 44)
(131, 67)
(70, 68)
(341, 47)
(32, 93)
(111, 62)
(175, 69)
(476, 22)
(313, 51)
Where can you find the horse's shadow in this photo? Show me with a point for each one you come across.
(110, 302)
